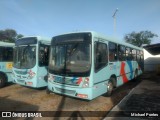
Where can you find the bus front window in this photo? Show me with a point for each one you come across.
(24, 57)
(70, 59)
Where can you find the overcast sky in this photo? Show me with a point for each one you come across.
(53, 17)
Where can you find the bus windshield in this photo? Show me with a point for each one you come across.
(24, 57)
(70, 59)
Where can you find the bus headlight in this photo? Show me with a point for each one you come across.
(86, 83)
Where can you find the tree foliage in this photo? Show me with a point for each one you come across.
(140, 38)
(9, 35)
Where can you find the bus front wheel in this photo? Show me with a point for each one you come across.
(2, 80)
(109, 88)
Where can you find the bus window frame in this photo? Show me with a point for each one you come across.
(95, 48)
(2, 59)
(115, 56)
(123, 55)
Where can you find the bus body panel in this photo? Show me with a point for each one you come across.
(6, 61)
(25, 77)
(6, 68)
(41, 76)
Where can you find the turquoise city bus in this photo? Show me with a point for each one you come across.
(30, 62)
(6, 59)
(87, 64)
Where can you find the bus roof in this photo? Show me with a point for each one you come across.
(7, 44)
(105, 37)
(115, 40)
(41, 39)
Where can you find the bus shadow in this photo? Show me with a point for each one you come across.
(9, 84)
(7, 104)
(41, 88)
(71, 115)
(124, 89)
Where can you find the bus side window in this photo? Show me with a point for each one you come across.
(9, 54)
(129, 54)
(134, 54)
(1, 53)
(101, 55)
(6, 54)
(112, 51)
(43, 55)
(121, 53)
(138, 56)
(142, 56)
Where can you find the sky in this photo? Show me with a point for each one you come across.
(53, 17)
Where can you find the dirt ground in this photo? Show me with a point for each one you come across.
(14, 97)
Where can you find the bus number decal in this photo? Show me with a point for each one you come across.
(9, 66)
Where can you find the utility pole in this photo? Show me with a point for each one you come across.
(114, 20)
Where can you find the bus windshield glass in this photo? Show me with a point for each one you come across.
(24, 57)
(72, 59)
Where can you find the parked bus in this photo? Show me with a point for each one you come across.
(87, 64)
(6, 59)
(30, 63)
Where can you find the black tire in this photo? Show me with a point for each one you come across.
(110, 87)
(2, 80)
(135, 75)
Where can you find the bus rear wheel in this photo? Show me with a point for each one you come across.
(2, 80)
(109, 88)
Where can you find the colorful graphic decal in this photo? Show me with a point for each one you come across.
(131, 69)
(31, 74)
(68, 80)
(122, 72)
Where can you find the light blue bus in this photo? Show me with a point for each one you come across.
(6, 59)
(87, 64)
(30, 63)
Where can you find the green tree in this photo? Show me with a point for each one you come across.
(9, 35)
(140, 38)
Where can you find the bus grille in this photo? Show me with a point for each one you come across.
(64, 91)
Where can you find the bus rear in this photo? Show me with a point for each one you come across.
(30, 61)
(6, 59)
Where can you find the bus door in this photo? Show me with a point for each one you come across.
(43, 64)
(101, 69)
(113, 64)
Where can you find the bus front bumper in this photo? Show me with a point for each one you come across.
(83, 93)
